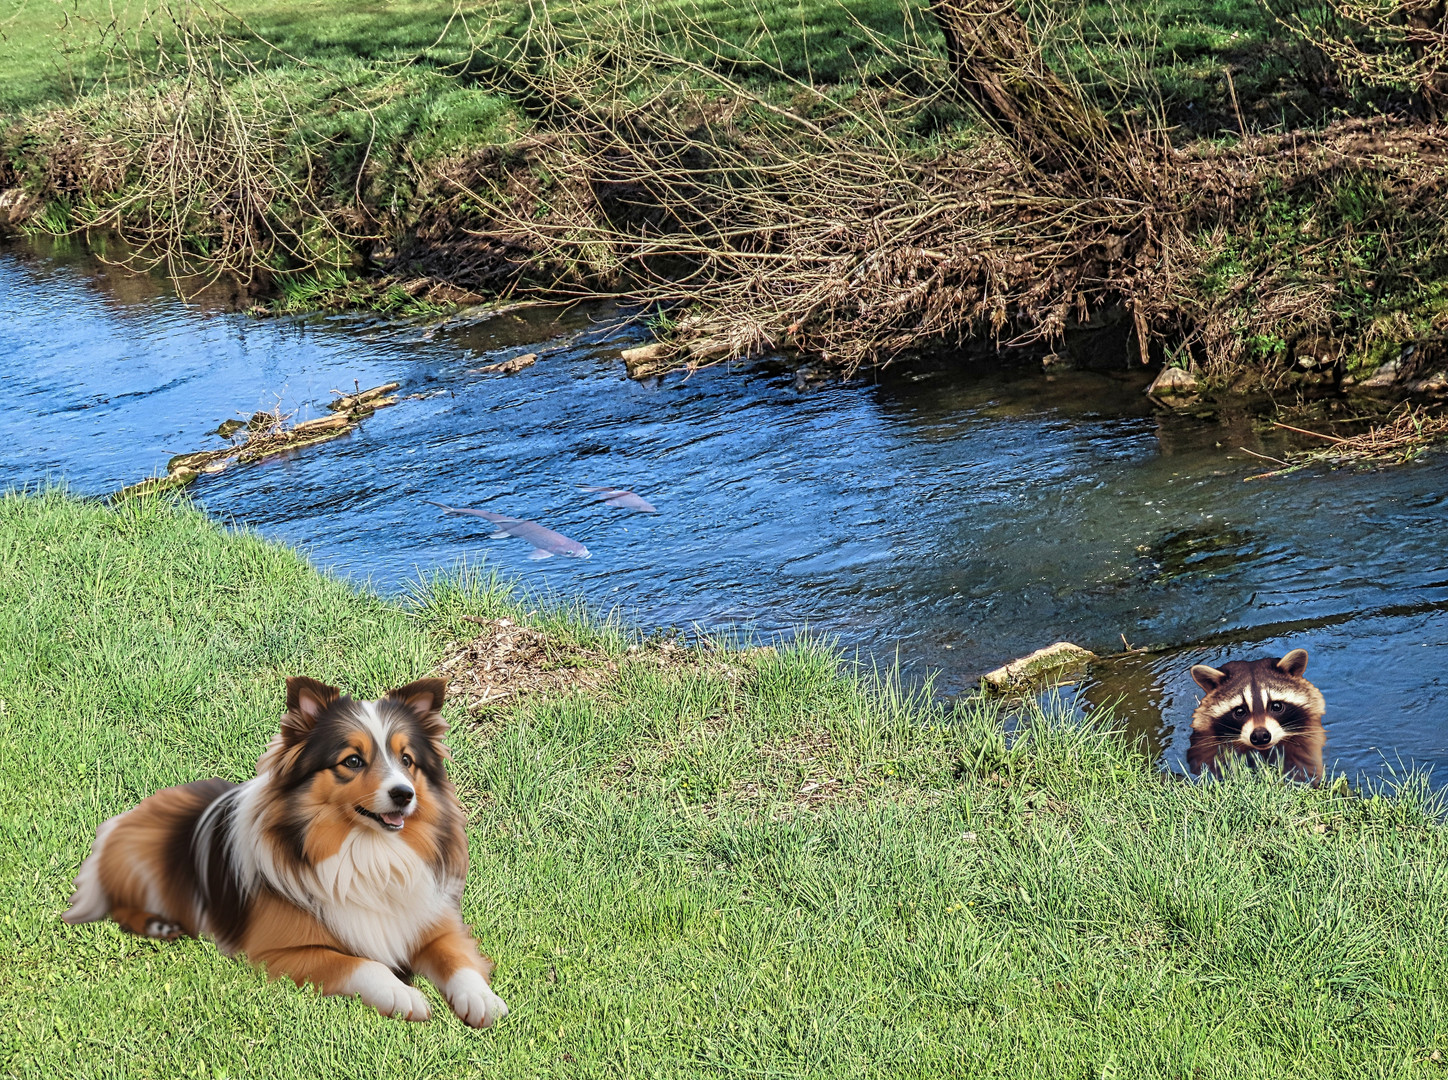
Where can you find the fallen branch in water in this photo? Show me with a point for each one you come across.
(1402, 437)
(267, 435)
(1266, 457)
(375, 398)
(1304, 431)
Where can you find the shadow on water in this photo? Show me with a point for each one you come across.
(956, 515)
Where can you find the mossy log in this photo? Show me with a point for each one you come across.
(202, 461)
(335, 422)
(156, 484)
(265, 438)
(373, 397)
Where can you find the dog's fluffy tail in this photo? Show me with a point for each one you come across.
(89, 901)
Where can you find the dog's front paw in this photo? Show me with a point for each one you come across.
(161, 929)
(473, 999)
(388, 994)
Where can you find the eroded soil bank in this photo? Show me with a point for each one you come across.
(974, 177)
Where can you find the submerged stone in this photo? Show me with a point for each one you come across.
(1045, 667)
(508, 367)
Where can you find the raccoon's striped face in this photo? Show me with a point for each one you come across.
(1257, 703)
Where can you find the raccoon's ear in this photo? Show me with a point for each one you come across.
(425, 698)
(1294, 663)
(1208, 678)
(306, 699)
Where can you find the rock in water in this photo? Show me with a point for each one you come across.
(1044, 667)
(645, 360)
(507, 367)
(1173, 382)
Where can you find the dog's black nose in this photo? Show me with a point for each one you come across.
(1261, 736)
(402, 794)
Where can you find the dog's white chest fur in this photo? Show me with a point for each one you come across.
(378, 896)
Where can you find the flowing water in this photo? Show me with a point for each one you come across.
(953, 517)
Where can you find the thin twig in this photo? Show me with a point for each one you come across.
(1304, 431)
(1265, 457)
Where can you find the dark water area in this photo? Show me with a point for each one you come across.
(952, 517)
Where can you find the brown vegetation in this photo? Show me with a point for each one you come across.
(825, 227)
(1402, 436)
(820, 230)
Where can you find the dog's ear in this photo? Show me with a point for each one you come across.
(1294, 663)
(424, 698)
(306, 700)
(1208, 678)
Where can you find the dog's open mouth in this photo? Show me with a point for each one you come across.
(392, 821)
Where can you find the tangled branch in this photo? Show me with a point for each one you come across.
(1397, 44)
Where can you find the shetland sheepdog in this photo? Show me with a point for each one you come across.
(341, 864)
(1260, 711)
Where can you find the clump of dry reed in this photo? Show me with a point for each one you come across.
(1406, 432)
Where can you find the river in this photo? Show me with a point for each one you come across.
(954, 516)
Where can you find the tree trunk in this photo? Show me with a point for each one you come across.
(999, 69)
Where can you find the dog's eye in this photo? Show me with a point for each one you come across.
(407, 761)
(354, 761)
(1276, 706)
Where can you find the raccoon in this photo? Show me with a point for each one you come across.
(1263, 710)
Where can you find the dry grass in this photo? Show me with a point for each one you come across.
(508, 661)
(198, 166)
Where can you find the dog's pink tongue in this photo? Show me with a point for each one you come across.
(395, 820)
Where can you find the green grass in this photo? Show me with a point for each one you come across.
(659, 901)
(52, 49)
(56, 48)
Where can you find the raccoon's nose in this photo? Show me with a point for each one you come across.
(401, 794)
(1261, 736)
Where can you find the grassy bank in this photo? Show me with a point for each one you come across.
(782, 175)
(687, 863)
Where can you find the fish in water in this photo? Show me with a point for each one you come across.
(1261, 710)
(628, 500)
(546, 543)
